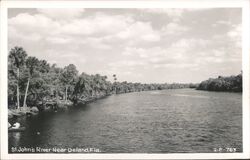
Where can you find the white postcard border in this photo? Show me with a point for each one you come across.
(244, 4)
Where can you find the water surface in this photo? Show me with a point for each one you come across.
(167, 121)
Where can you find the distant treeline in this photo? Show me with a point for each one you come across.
(231, 84)
(124, 87)
(31, 81)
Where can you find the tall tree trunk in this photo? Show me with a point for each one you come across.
(66, 93)
(92, 93)
(57, 97)
(17, 96)
(17, 90)
(115, 89)
(26, 92)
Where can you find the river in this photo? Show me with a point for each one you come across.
(166, 121)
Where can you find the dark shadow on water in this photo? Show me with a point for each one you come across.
(78, 107)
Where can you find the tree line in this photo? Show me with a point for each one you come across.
(231, 84)
(31, 81)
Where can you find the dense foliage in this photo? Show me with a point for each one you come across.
(232, 84)
(31, 81)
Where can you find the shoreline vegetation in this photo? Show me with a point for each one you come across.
(35, 85)
(223, 84)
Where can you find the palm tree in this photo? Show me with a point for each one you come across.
(31, 64)
(114, 75)
(17, 57)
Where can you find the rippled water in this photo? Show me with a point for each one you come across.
(168, 121)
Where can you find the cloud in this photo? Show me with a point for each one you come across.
(178, 50)
(159, 41)
(99, 24)
(176, 66)
(222, 23)
(218, 53)
(97, 43)
(173, 13)
(126, 63)
(189, 43)
(33, 37)
(133, 51)
(188, 53)
(63, 57)
(235, 34)
(96, 30)
(139, 31)
(58, 40)
(150, 60)
(174, 28)
(62, 14)
(155, 56)
(33, 23)
(148, 53)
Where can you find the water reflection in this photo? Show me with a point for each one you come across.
(16, 138)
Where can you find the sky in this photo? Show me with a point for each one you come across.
(163, 45)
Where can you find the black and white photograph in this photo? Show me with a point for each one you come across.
(124, 80)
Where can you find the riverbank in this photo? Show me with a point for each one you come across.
(47, 106)
(88, 99)
(51, 105)
(22, 111)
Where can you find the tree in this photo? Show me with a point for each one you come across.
(54, 81)
(68, 77)
(31, 64)
(17, 57)
(232, 84)
(82, 87)
(114, 75)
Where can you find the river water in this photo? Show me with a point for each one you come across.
(167, 121)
